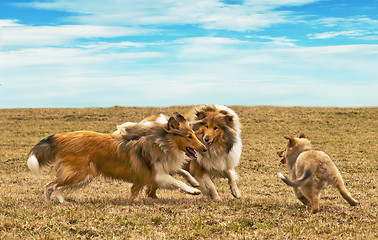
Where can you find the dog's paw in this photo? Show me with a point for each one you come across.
(195, 192)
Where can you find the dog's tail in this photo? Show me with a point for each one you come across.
(297, 183)
(41, 154)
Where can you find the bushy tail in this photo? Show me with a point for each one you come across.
(297, 183)
(41, 154)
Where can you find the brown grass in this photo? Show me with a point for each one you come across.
(267, 210)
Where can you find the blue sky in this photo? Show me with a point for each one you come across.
(82, 53)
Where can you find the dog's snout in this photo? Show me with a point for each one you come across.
(204, 149)
(207, 139)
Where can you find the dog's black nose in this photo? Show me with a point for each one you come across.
(204, 149)
(207, 139)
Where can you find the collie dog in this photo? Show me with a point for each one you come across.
(218, 128)
(146, 159)
(132, 130)
(311, 170)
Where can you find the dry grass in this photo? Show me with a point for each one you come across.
(267, 210)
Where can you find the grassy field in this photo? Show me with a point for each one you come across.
(267, 209)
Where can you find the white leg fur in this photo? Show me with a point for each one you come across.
(232, 177)
(168, 182)
(33, 165)
(188, 177)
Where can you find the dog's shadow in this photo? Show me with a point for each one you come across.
(125, 201)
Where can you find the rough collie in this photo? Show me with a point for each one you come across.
(218, 127)
(132, 130)
(311, 170)
(147, 159)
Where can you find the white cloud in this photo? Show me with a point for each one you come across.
(66, 57)
(212, 14)
(17, 35)
(327, 35)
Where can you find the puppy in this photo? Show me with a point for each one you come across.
(311, 170)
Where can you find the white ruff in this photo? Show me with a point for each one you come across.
(223, 161)
(170, 162)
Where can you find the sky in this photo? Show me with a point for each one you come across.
(101, 53)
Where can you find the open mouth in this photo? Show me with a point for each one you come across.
(191, 152)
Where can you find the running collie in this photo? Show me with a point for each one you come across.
(147, 159)
(218, 127)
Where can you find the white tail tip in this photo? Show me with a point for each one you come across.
(33, 165)
(280, 175)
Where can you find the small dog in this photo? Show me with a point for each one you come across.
(311, 170)
(146, 159)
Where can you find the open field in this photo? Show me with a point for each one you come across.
(267, 209)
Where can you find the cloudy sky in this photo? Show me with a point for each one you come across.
(100, 53)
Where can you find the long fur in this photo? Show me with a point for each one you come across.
(311, 170)
(146, 160)
(219, 128)
(224, 146)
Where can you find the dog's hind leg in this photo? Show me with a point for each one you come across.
(151, 191)
(135, 189)
(49, 190)
(313, 198)
(300, 196)
(52, 187)
(59, 194)
(232, 177)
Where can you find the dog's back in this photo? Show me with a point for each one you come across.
(311, 171)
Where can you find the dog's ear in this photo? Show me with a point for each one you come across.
(228, 119)
(302, 135)
(291, 140)
(200, 115)
(224, 112)
(179, 117)
(173, 124)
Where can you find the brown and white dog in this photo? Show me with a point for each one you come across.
(218, 127)
(311, 170)
(147, 159)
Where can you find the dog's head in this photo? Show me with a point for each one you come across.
(211, 126)
(293, 148)
(184, 137)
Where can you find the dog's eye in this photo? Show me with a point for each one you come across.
(207, 126)
(215, 128)
(190, 137)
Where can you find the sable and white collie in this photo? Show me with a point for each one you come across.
(144, 160)
(218, 127)
(133, 130)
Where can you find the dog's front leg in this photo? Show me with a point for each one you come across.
(208, 188)
(168, 182)
(188, 177)
(232, 177)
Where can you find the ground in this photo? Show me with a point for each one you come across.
(267, 209)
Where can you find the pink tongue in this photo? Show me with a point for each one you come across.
(191, 151)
